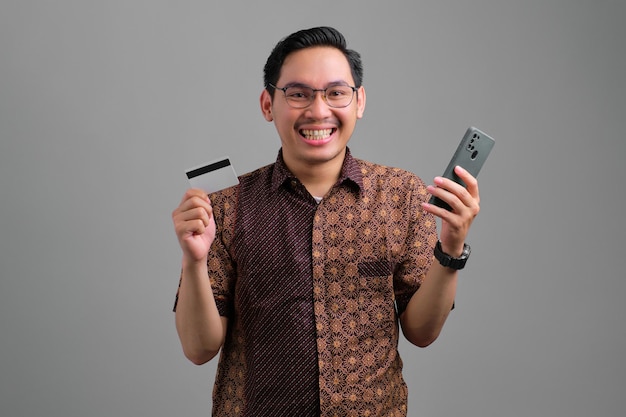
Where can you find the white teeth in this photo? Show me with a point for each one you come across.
(316, 134)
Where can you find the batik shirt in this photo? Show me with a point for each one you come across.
(313, 291)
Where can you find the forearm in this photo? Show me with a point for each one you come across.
(429, 307)
(200, 328)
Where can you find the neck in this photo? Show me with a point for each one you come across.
(318, 178)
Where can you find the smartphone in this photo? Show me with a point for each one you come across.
(470, 155)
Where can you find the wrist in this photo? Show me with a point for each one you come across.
(451, 261)
(452, 250)
(194, 264)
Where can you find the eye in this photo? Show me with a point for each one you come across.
(338, 92)
(335, 92)
(295, 93)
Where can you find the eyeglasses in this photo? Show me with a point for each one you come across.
(301, 96)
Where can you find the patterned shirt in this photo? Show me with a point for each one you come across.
(313, 291)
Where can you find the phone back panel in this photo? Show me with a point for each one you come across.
(471, 154)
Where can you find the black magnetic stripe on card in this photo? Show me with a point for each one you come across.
(208, 168)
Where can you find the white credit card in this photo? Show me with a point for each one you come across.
(214, 176)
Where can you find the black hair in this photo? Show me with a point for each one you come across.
(307, 38)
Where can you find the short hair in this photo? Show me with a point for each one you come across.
(308, 38)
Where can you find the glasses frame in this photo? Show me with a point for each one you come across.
(315, 90)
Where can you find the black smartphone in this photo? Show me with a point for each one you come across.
(471, 155)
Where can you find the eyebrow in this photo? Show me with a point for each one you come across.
(330, 84)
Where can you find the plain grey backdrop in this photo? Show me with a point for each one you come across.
(104, 104)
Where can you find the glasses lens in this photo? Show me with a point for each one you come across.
(299, 97)
(339, 96)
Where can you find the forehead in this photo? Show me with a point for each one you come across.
(316, 66)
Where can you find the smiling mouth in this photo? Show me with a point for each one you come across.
(320, 134)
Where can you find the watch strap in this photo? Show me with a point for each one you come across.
(450, 261)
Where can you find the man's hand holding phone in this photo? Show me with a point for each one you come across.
(465, 205)
(455, 197)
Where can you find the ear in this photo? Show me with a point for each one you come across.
(266, 105)
(360, 103)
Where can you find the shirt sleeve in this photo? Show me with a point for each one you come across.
(421, 238)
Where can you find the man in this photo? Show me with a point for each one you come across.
(317, 257)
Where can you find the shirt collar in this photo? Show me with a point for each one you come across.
(350, 172)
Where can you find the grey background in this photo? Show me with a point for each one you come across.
(104, 104)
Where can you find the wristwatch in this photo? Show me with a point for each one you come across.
(450, 262)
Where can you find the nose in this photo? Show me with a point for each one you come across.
(319, 109)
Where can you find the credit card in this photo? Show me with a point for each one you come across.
(214, 176)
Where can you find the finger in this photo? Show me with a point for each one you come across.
(446, 196)
(190, 229)
(463, 206)
(193, 199)
(197, 213)
(459, 191)
(194, 193)
(470, 181)
(195, 226)
(449, 185)
(194, 215)
(446, 189)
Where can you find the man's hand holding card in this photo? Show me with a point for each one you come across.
(193, 218)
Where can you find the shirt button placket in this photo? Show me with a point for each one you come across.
(319, 296)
